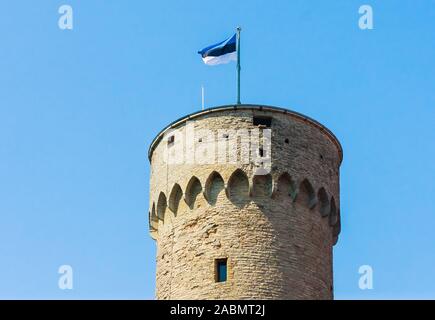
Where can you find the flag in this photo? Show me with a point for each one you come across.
(222, 52)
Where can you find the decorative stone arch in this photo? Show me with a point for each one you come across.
(333, 213)
(193, 189)
(175, 198)
(154, 221)
(284, 187)
(238, 188)
(306, 195)
(261, 186)
(213, 187)
(324, 205)
(161, 206)
(336, 230)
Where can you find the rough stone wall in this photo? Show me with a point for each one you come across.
(277, 230)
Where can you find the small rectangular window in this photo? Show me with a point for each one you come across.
(221, 270)
(262, 121)
(171, 140)
(261, 152)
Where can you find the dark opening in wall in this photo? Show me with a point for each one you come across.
(221, 270)
(262, 121)
(171, 140)
(261, 152)
(287, 141)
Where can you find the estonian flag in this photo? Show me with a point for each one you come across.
(222, 52)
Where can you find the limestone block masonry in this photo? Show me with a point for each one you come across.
(276, 231)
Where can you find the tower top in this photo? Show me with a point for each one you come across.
(254, 108)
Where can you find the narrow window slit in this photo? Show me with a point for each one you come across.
(221, 270)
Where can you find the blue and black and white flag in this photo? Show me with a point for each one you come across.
(222, 52)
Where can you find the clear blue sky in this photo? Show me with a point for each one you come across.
(79, 108)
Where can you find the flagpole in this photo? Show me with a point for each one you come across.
(238, 64)
(202, 96)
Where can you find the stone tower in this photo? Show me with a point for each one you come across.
(257, 229)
